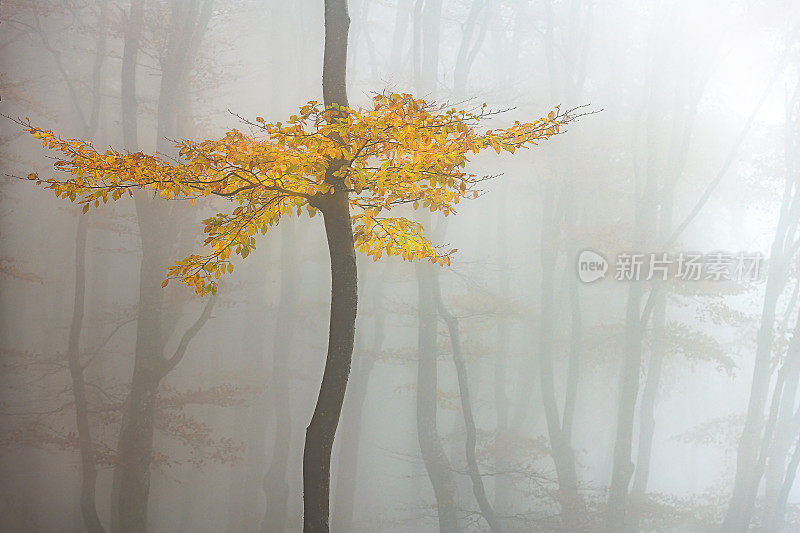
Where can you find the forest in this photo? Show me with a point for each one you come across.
(399, 266)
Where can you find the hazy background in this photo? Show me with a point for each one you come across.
(695, 96)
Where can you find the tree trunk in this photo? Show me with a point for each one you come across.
(322, 429)
(778, 517)
(647, 421)
(433, 455)
(350, 443)
(468, 49)
(781, 446)
(136, 436)
(781, 252)
(130, 141)
(561, 449)
(335, 209)
(398, 35)
(473, 469)
(88, 504)
(130, 53)
(427, 67)
(88, 470)
(735, 519)
(629, 387)
(158, 226)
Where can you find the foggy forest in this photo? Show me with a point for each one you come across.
(399, 266)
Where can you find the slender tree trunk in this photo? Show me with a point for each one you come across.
(647, 421)
(574, 364)
(158, 229)
(130, 54)
(468, 49)
(629, 387)
(88, 470)
(130, 141)
(623, 467)
(335, 209)
(136, 436)
(427, 78)
(399, 34)
(561, 449)
(427, 33)
(88, 504)
(433, 455)
(778, 517)
(779, 390)
(780, 450)
(781, 252)
(647, 203)
(735, 519)
(322, 429)
(473, 469)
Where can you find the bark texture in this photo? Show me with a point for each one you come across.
(335, 209)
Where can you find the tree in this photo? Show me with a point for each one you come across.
(783, 250)
(473, 470)
(331, 159)
(159, 227)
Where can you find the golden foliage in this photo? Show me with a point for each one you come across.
(401, 151)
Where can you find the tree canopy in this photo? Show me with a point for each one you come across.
(401, 151)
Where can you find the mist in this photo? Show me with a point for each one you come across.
(595, 326)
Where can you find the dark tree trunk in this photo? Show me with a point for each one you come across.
(335, 209)
(344, 298)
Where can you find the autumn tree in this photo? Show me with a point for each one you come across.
(352, 165)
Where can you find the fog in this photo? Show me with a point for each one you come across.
(613, 346)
